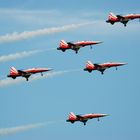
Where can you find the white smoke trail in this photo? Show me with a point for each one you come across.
(9, 81)
(14, 130)
(19, 55)
(17, 129)
(29, 34)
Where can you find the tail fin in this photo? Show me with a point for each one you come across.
(89, 64)
(112, 16)
(13, 71)
(72, 116)
(63, 43)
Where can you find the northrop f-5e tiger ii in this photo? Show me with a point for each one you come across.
(112, 18)
(84, 118)
(101, 67)
(75, 45)
(26, 73)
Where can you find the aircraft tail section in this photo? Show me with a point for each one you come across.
(89, 64)
(13, 71)
(63, 43)
(72, 116)
(112, 16)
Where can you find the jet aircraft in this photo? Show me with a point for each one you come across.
(76, 45)
(26, 73)
(112, 18)
(101, 67)
(83, 118)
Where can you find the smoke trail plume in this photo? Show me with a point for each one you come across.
(17, 129)
(14, 130)
(9, 81)
(29, 34)
(19, 55)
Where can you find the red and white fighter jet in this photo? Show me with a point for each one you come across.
(26, 73)
(101, 67)
(112, 18)
(84, 118)
(76, 45)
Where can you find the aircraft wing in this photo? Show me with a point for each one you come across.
(97, 65)
(71, 44)
(120, 17)
(79, 117)
(23, 72)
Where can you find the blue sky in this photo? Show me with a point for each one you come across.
(51, 99)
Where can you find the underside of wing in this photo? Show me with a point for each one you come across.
(100, 68)
(24, 73)
(71, 44)
(79, 117)
(120, 17)
(97, 66)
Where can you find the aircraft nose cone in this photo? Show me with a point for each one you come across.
(123, 64)
(50, 69)
(99, 42)
(106, 114)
